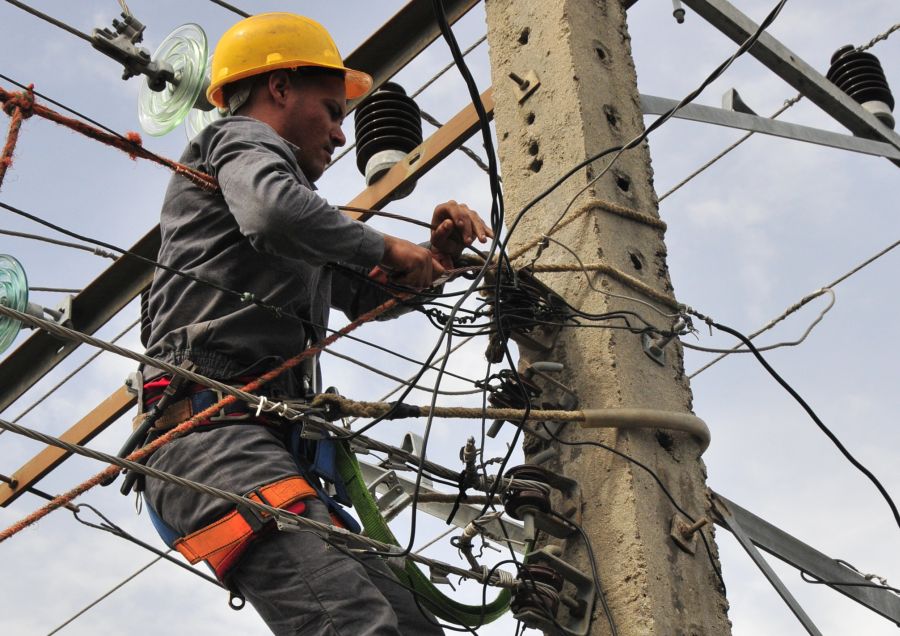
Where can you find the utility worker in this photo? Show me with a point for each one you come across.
(269, 233)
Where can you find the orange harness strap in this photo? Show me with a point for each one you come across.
(222, 541)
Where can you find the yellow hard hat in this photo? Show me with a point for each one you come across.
(270, 41)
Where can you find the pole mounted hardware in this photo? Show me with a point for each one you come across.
(530, 502)
(14, 294)
(540, 592)
(655, 347)
(859, 74)
(684, 533)
(678, 11)
(525, 85)
(525, 310)
(120, 44)
(388, 127)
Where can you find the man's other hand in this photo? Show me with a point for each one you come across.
(409, 264)
(455, 226)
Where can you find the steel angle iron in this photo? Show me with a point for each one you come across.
(388, 127)
(859, 74)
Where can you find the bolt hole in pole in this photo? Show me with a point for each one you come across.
(523, 36)
(636, 261)
(529, 118)
(536, 165)
(623, 183)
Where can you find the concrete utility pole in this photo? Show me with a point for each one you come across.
(587, 100)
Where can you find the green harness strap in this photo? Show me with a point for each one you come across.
(377, 528)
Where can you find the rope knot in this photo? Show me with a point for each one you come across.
(22, 102)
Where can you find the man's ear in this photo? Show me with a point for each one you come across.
(279, 85)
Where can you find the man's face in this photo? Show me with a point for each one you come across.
(314, 112)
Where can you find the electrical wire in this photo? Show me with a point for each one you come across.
(112, 590)
(57, 23)
(63, 290)
(243, 296)
(779, 345)
(594, 573)
(809, 411)
(115, 530)
(231, 8)
(659, 483)
(46, 239)
(398, 379)
(659, 121)
(798, 305)
(72, 374)
(787, 104)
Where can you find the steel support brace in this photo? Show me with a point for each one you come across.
(789, 67)
(652, 105)
(728, 521)
(805, 558)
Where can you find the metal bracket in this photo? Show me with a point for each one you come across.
(464, 515)
(578, 622)
(394, 500)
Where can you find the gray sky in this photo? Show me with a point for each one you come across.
(770, 223)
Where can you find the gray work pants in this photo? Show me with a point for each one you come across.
(299, 584)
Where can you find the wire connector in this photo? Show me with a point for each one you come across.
(121, 45)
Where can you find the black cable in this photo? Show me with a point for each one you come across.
(231, 8)
(57, 23)
(659, 483)
(656, 123)
(243, 296)
(594, 572)
(809, 411)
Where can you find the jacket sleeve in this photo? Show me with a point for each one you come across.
(274, 206)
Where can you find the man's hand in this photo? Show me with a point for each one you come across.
(409, 264)
(455, 226)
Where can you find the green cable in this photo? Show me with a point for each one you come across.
(377, 528)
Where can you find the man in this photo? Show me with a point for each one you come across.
(269, 234)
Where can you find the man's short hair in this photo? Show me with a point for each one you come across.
(236, 93)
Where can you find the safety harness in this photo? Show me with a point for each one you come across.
(224, 541)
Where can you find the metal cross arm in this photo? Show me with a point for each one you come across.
(752, 531)
(787, 65)
(652, 105)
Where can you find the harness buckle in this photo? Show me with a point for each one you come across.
(255, 519)
(222, 417)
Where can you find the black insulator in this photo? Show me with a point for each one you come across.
(539, 599)
(860, 75)
(517, 499)
(388, 127)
